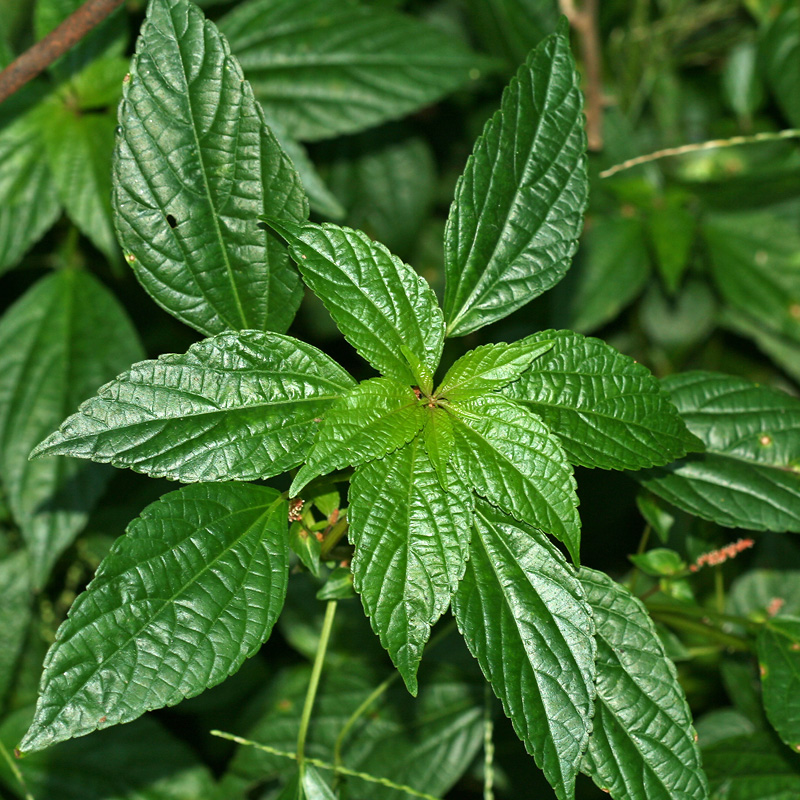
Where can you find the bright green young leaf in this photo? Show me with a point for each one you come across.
(190, 592)
(509, 456)
(752, 767)
(378, 302)
(195, 167)
(438, 440)
(59, 342)
(489, 367)
(518, 208)
(778, 646)
(659, 562)
(323, 70)
(79, 148)
(17, 595)
(780, 56)
(607, 410)
(611, 269)
(642, 745)
(238, 406)
(411, 541)
(524, 616)
(756, 265)
(28, 196)
(305, 546)
(422, 373)
(373, 419)
(749, 476)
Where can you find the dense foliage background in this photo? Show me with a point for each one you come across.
(691, 261)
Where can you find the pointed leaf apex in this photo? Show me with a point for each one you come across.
(285, 228)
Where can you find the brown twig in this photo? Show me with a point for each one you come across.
(37, 58)
(584, 21)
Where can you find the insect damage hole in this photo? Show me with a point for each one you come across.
(171, 221)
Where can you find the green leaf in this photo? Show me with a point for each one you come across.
(607, 410)
(306, 546)
(756, 265)
(411, 540)
(659, 562)
(322, 70)
(194, 169)
(79, 148)
(438, 439)
(752, 767)
(189, 593)
(778, 647)
(510, 457)
(611, 269)
(315, 786)
(97, 86)
(17, 601)
(238, 406)
(422, 374)
(373, 419)
(339, 585)
(28, 197)
(660, 520)
(642, 745)
(141, 761)
(756, 590)
(518, 208)
(58, 342)
(742, 85)
(378, 302)
(720, 724)
(489, 367)
(780, 55)
(672, 232)
(524, 616)
(749, 476)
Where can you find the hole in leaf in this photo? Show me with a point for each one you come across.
(171, 221)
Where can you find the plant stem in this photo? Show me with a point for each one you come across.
(706, 630)
(313, 684)
(639, 550)
(488, 745)
(333, 538)
(16, 771)
(705, 613)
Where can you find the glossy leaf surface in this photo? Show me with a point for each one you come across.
(642, 745)
(607, 410)
(373, 419)
(238, 406)
(378, 302)
(749, 476)
(778, 646)
(518, 208)
(411, 540)
(62, 339)
(190, 591)
(510, 457)
(524, 616)
(195, 167)
(322, 70)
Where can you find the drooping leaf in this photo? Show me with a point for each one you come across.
(373, 419)
(141, 761)
(194, 169)
(489, 367)
(322, 70)
(28, 196)
(607, 410)
(518, 208)
(642, 745)
(778, 646)
(62, 339)
(79, 148)
(378, 302)
(509, 456)
(17, 600)
(780, 55)
(524, 616)
(189, 593)
(238, 406)
(749, 476)
(752, 767)
(411, 540)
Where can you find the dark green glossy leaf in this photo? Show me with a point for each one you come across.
(749, 476)
(607, 410)
(509, 456)
(642, 745)
(378, 302)
(190, 591)
(778, 647)
(489, 367)
(64, 337)
(411, 539)
(518, 208)
(323, 70)
(373, 419)
(195, 167)
(524, 616)
(238, 406)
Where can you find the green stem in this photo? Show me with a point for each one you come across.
(719, 589)
(313, 684)
(706, 630)
(704, 613)
(488, 745)
(15, 770)
(639, 550)
(333, 538)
